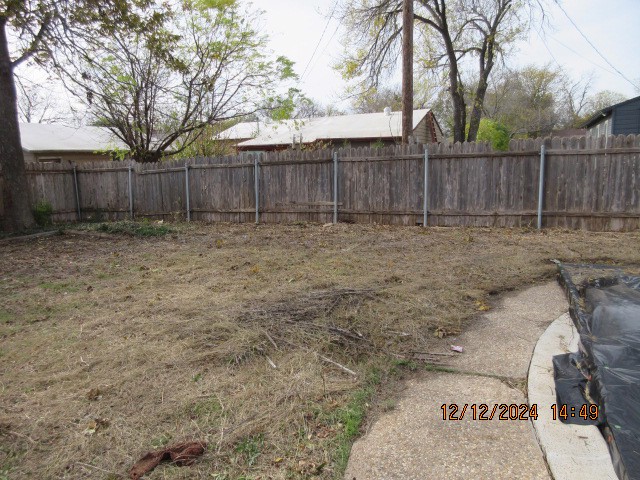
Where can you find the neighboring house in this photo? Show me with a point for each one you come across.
(361, 130)
(43, 142)
(620, 119)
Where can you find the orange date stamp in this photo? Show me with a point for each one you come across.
(482, 411)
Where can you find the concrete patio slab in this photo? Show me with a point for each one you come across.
(414, 442)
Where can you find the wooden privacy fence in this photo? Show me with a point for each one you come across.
(586, 183)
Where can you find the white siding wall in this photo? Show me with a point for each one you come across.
(602, 128)
(421, 132)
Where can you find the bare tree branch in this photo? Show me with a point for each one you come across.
(451, 31)
(157, 89)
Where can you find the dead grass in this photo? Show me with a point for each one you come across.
(111, 347)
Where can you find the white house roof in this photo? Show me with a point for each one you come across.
(242, 131)
(43, 137)
(363, 126)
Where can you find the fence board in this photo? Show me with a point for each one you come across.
(590, 184)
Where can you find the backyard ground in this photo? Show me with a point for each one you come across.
(271, 343)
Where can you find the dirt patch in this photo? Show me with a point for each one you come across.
(112, 347)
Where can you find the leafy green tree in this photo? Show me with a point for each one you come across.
(157, 90)
(283, 107)
(494, 132)
(603, 99)
(534, 101)
(207, 143)
(375, 100)
(528, 101)
(295, 105)
(309, 108)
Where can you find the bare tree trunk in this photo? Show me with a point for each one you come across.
(459, 110)
(15, 194)
(486, 66)
(456, 89)
(407, 70)
(476, 113)
(487, 57)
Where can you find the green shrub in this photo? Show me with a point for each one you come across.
(42, 213)
(378, 144)
(135, 229)
(494, 132)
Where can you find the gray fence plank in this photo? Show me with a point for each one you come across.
(590, 184)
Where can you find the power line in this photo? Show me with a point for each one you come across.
(325, 48)
(315, 50)
(544, 42)
(580, 55)
(546, 46)
(592, 45)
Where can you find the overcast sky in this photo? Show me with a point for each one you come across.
(296, 28)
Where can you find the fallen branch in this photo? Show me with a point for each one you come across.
(352, 336)
(309, 307)
(275, 345)
(340, 366)
(22, 435)
(326, 359)
(418, 357)
(273, 365)
(435, 353)
(400, 334)
(88, 233)
(346, 333)
(29, 237)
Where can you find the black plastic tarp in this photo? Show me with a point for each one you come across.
(605, 308)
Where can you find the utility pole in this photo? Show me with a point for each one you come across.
(407, 70)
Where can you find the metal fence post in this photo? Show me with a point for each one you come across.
(256, 185)
(335, 187)
(425, 202)
(186, 192)
(75, 184)
(541, 186)
(130, 192)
